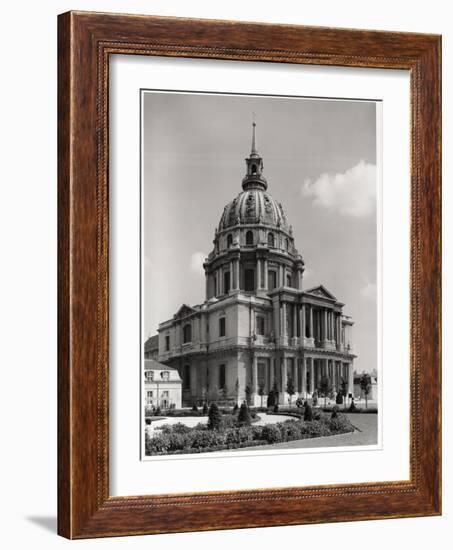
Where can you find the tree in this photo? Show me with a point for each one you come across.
(248, 395)
(244, 417)
(290, 389)
(270, 399)
(214, 417)
(365, 386)
(261, 393)
(205, 408)
(308, 413)
(339, 399)
(194, 408)
(344, 390)
(325, 388)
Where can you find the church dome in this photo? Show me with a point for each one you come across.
(252, 206)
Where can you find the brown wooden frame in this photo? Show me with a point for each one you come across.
(85, 42)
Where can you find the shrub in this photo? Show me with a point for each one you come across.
(244, 417)
(340, 424)
(299, 402)
(276, 408)
(335, 411)
(214, 417)
(352, 406)
(271, 433)
(158, 412)
(270, 399)
(235, 408)
(205, 409)
(195, 408)
(148, 421)
(308, 413)
(339, 399)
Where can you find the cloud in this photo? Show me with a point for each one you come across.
(351, 193)
(196, 262)
(369, 291)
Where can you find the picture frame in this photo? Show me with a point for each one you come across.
(86, 41)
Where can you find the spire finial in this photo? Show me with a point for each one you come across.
(254, 151)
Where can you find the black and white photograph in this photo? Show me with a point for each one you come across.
(259, 275)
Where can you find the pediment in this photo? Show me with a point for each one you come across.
(321, 292)
(184, 311)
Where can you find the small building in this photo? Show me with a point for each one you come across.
(163, 386)
(358, 391)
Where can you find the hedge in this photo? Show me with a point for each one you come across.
(178, 438)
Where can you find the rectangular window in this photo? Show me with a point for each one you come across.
(222, 377)
(226, 282)
(149, 397)
(260, 325)
(167, 343)
(222, 326)
(249, 276)
(272, 278)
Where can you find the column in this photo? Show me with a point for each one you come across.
(350, 379)
(299, 272)
(258, 273)
(231, 275)
(338, 332)
(284, 320)
(303, 374)
(280, 276)
(294, 306)
(276, 306)
(324, 327)
(254, 375)
(237, 282)
(312, 376)
(302, 323)
(284, 377)
(271, 373)
(266, 273)
(334, 375)
(296, 373)
(311, 322)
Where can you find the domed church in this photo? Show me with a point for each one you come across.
(258, 329)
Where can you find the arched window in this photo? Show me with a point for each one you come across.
(229, 240)
(286, 244)
(288, 280)
(187, 333)
(253, 168)
(270, 239)
(249, 238)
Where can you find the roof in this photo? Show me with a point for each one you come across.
(151, 364)
(152, 343)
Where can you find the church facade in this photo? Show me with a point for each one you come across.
(258, 329)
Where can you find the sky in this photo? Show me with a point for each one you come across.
(320, 163)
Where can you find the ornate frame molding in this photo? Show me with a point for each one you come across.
(86, 40)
